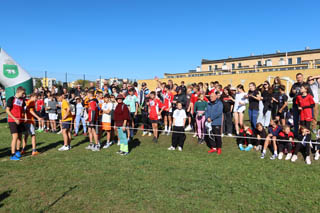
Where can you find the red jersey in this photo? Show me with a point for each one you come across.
(30, 106)
(167, 100)
(16, 106)
(211, 91)
(285, 136)
(39, 105)
(194, 98)
(93, 110)
(305, 102)
(155, 106)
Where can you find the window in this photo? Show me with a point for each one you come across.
(259, 64)
(281, 61)
(210, 68)
(289, 61)
(299, 60)
(215, 67)
(233, 66)
(239, 65)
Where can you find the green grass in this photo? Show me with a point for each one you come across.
(153, 179)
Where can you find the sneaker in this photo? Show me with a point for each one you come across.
(59, 132)
(35, 153)
(85, 134)
(18, 154)
(230, 135)
(144, 133)
(90, 146)
(188, 128)
(150, 134)
(118, 143)
(107, 145)
(40, 130)
(75, 135)
(248, 148)
(96, 149)
(212, 150)
(155, 139)
(163, 132)
(14, 158)
(124, 153)
(294, 158)
(241, 147)
(168, 133)
(219, 151)
(308, 160)
(273, 157)
(64, 148)
(171, 148)
(280, 156)
(317, 156)
(195, 135)
(180, 148)
(263, 155)
(222, 134)
(22, 152)
(288, 157)
(119, 152)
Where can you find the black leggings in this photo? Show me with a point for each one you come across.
(305, 149)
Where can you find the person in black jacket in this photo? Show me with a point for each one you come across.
(264, 116)
(294, 92)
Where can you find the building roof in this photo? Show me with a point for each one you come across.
(265, 56)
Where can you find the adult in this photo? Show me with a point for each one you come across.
(265, 106)
(213, 116)
(78, 91)
(275, 96)
(294, 92)
(314, 83)
(143, 100)
(254, 98)
(183, 88)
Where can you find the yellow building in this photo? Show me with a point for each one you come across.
(243, 70)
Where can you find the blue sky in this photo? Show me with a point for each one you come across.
(146, 38)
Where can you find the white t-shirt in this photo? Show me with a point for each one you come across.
(314, 87)
(179, 115)
(106, 118)
(46, 101)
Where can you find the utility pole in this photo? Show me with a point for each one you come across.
(45, 79)
(84, 79)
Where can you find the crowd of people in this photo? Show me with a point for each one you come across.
(208, 111)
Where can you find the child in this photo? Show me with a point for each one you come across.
(155, 110)
(121, 118)
(274, 131)
(282, 105)
(106, 119)
(305, 104)
(239, 107)
(66, 122)
(261, 136)
(15, 110)
(247, 135)
(80, 117)
(132, 102)
(200, 108)
(52, 111)
(179, 121)
(30, 123)
(40, 112)
(93, 128)
(304, 145)
(285, 134)
(167, 112)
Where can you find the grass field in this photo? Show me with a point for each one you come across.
(153, 179)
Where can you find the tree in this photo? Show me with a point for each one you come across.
(82, 82)
(38, 83)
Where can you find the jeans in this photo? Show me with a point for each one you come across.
(78, 119)
(296, 120)
(253, 116)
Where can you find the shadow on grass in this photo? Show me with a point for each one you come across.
(59, 198)
(5, 152)
(133, 144)
(3, 120)
(80, 142)
(50, 146)
(4, 195)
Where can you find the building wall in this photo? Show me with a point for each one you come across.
(235, 79)
(252, 63)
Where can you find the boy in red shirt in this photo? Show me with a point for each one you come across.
(40, 112)
(15, 111)
(30, 123)
(305, 104)
(155, 110)
(167, 102)
(93, 128)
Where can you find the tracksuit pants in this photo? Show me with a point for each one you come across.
(178, 136)
(215, 141)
